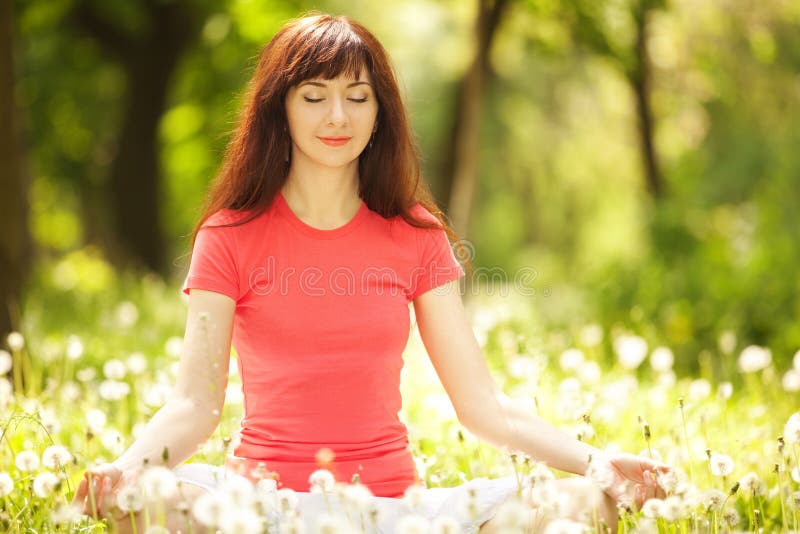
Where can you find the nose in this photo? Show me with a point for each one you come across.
(336, 112)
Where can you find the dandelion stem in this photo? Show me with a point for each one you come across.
(686, 440)
(133, 521)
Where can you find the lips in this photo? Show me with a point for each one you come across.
(335, 141)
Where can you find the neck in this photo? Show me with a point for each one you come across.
(320, 195)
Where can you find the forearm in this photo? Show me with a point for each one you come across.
(503, 423)
(180, 426)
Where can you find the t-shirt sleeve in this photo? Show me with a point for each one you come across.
(437, 265)
(213, 263)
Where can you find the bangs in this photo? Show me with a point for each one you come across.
(327, 52)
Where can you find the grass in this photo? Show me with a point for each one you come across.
(98, 362)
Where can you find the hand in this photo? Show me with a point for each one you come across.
(98, 488)
(627, 478)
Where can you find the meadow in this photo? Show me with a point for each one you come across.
(94, 360)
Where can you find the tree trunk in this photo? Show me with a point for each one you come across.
(14, 238)
(640, 81)
(134, 187)
(461, 160)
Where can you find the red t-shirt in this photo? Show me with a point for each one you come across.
(322, 319)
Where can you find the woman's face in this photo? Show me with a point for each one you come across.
(331, 121)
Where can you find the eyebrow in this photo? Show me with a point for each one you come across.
(320, 84)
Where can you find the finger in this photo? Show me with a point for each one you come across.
(101, 496)
(80, 492)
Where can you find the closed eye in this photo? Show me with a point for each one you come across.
(314, 100)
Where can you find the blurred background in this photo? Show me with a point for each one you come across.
(640, 157)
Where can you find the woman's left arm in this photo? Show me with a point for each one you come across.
(486, 411)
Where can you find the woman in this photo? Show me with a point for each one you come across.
(317, 236)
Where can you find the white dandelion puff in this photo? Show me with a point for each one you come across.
(791, 430)
(725, 390)
(5, 362)
(6, 484)
(511, 515)
(662, 359)
(731, 517)
(414, 495)
(159, 483)
(64, 514)
(130, 498)
(631, 350)
(27, 461)
(321, 481)
(721, 464)
(240, 490)
(713, 499)
(791, 381)
(413, 524)
(752, 484)
(571, 359)
(754, 358)
(96, 420)
(136, 363)
(244, 521)
(209, 509)
(74, 347)
(652, 508)
(16, 341)
(564, 526)
(287, 500)
(444, 524)
(114, 369)
(358, 495)
(56, 457)
(44, 484)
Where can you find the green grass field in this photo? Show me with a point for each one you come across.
(98, 359)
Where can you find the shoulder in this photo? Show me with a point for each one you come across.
(225, 216)
(421, 213)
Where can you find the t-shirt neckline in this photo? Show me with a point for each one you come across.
(318, 233)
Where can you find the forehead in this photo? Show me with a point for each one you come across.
(345, 79)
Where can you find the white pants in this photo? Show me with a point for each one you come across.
(435, 502)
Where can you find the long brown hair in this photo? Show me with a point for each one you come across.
(254, 168)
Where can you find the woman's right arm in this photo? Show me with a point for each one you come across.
(193, 411)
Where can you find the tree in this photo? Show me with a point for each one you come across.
(148, 57)
(14, 239)
(460, 167)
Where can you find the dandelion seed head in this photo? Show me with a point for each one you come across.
(713, 499)
(662, 359)
(631, 350)
(571, 359)
(334, 524)
(791, 430)
(136, 363)
(173, 346)
(64, 514)
(413, 524)
(752, 484)
(652, 508)
(414, 495)
(266, 485)
(209, 509)
(5, 362)
(565, 526)
(74, 348)
(44, 484)
(6, 484)
(600, 472)
(670, 480)
(159, 483)
(699, 389)
(731, 517)
(444, 524)
(15, 341)
(113, 390)
(754, 358)
(591, 335)
(287, 500)
(673, 508)
(239, 489)
(114, 369)
(791, 381)
(512, 514)
(56, 457)
(127, 314)
(27, 461)
(112, 441)
(725, 390)
(727, 341)
(721, 464)
(321, 481)
(244, 521)
(358, 495)
(96, 420)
